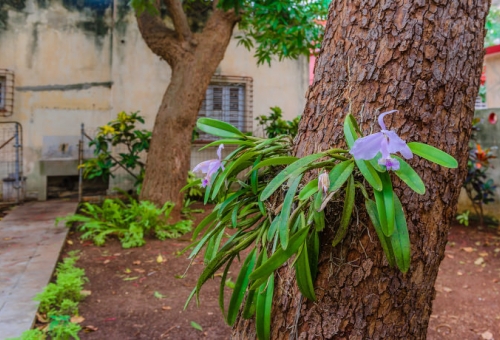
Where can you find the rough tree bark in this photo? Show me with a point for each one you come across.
(193, 58)
(423, 58)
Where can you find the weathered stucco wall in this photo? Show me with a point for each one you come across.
(492, 63)
(82, 61)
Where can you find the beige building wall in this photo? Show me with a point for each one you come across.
(83, 65)
(492, 63)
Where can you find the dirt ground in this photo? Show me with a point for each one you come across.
(467, 304)
(140, 293)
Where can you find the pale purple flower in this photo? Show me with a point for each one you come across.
(210, 167)
(323, 182)
(386, 142)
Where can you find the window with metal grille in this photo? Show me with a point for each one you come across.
(3, 84)
(6, 92)
(226, 102)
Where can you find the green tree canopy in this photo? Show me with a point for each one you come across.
(492, 27)
(281, 28)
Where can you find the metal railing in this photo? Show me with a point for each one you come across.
(11, 162)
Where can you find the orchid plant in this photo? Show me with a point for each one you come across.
(279, 216)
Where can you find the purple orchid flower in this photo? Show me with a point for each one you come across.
(324, 182)
(210, 167)
(386, 142)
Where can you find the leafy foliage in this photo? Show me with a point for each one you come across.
(31, 334)
(274, 124)
(61, 328)
(282, 28)
(62, 297)
(121, 131)
(129, 221)
(493, 27)
(482, 92)
(479, 187)
(59, 301)
(266, 174)
(194, 191)
(463, 218)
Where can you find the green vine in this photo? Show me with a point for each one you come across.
(259, 192)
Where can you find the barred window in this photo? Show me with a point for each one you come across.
(6, 92)
(226, 102)
(3, 85)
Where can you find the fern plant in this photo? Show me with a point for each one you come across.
(61, 328)
(31, 334)
(130, 222)
(62, 296)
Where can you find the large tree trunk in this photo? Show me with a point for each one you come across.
(193, 59)
(423, 58)
(170, 150)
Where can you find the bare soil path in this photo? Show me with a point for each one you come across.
(467, 304)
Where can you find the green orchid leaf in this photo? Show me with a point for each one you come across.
(385, 204)
(346, 212)
(254, 176)
(409, 176)
(210, 219)
(233, 168)
(370, 174)
(285, 212)
(313, 250)
(280, 256)
(251, 301)
(371, 208)
(263, 309)
(240, 287)
(303, 274)
(273, 227)
(218, 128)
(294, 169)
(433, 154)
(350, 130)
(339, 174)
(228, 142)
(282, 160)
(400, 240)
(308, 190)
(223, 286)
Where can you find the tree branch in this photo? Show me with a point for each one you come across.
(215, 37)
(162, 40)
(179, 19)
(217, 20)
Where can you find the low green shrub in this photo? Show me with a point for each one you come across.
(62, 296)
(274, 124)
(463, 218)
(61, 328)
(32, 334)
(130, 222)
(194, 191)
(59, 301)
(121, 131)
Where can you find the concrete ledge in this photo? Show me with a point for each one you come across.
(59, 167)
(30, 245)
